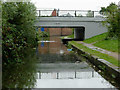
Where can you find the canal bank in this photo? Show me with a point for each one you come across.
(103, 66)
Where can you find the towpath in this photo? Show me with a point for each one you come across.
(91, 46)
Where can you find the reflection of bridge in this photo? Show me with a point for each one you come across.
(85, 27)
(58, 67)
(67, 75)
(64, 70)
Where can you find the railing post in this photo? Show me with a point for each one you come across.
(58, 12)
(93, 13)
(75, 13)
(39, 13)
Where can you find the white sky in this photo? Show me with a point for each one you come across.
(72, 4)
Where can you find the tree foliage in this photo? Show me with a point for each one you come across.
(89, 14)
(18, 32)
(20, 75)
(112, 20)
(0, 20)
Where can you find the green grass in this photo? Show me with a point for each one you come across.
(96, 38)
(110, 45)
(99, 41)
(95, 53)
(62, 37)
(71, 36)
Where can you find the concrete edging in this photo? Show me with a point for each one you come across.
(100, 63)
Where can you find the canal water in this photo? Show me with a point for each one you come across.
(52, 65)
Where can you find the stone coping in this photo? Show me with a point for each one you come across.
(97, 61)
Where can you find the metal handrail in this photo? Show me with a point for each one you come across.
(68, 10)
(74, 12)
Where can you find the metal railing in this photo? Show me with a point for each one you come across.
(68, 13)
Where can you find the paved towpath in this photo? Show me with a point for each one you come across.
(113, 54)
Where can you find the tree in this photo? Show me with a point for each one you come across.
(20, 75)
(103, 11)
(18, 31)
(112, 20)
(109, 9)
(89, 13)
(80, 15)
(0, 18)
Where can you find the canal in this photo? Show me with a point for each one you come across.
(52, 65)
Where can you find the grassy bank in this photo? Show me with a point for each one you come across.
(96, 38)
(99, 41)
(95, 53)
(111, 45)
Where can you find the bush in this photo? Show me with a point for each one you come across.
(44, 34)
(18, 31)
(112, 20)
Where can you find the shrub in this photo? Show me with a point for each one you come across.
(18, 32)
(112, 20)
(44, 34)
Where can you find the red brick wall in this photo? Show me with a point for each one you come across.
(66, 31)
(60, 31)
(55, 31)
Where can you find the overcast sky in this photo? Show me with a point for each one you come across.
(72, 4)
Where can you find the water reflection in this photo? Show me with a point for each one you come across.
(71, 80)
(67, 75)
(51, 65)
(20, 75)
(57, 67)
(53, 46)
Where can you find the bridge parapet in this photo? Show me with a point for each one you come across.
(69, 19)
(67, 13)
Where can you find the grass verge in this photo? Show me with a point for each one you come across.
(96, 38)
(95, 53)
(111, 45)
(99, 41)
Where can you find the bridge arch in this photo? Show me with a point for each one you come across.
(79, 32)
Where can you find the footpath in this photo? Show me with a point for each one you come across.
(113, 54)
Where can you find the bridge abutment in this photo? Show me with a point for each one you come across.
(79, 33)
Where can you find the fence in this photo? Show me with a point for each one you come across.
(67, 13)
